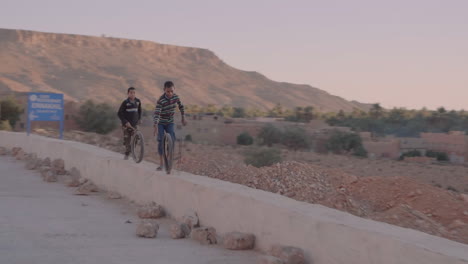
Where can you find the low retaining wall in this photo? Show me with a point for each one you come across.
(327, 236)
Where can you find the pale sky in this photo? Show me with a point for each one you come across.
(404, 53)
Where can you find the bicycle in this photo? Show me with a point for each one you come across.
(137, 144)
(168, 151)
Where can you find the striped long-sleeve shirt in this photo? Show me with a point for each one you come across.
(165, 109)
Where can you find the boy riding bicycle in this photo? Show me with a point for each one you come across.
(164, 116)
(130, 115)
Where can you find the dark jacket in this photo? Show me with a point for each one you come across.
(130, 112)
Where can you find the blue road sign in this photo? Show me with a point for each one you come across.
(45, 107)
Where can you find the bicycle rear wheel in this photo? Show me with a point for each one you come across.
(138, 147)
(168, 152)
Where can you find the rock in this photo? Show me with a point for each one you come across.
(3, 151)
(190, 218)
(14, 151)
(82, 181)
(31, 156)
(50, 176)
(350, 179)
(20, 155)
(269, 260)
(46, 162)
(179, 230)
(290, 255)
(464, 197)
(58, 165)
(86, 189)
(30, 165)
(73, 180)
(456, 224)
(113, 195)
(238, 241)
(32, 162)
(44, 171)
(147, 229)
(70, 182)
(75, 173)
(204, 235)
(151, 210)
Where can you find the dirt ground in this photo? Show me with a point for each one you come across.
(432, 198)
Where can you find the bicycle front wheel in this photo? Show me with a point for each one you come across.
(138, 147)
(168, 150)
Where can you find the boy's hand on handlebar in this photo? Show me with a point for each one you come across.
(155, 130)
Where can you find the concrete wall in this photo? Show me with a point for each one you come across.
(452, 143)
(390, 148)
(328, 236)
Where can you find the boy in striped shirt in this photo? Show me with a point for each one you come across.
(164, 116)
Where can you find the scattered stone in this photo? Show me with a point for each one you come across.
(238, 241)
(82, 181)
(86, 189)
(204, 235)
(113, 195)
(179, 230)
(290, 255)
(21, 155)
(32, 162)
(44, 171)
(31, 156)
(46, 162)
(50, 176)
(58, 165)
(456, 224)
(73, 180)
(147, 229)
(15, 150)
(269, 260)
(3, 151)
(464, 197)
(190, 218)
(151, 210)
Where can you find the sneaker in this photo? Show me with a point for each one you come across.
(159, 168)
(126, 156)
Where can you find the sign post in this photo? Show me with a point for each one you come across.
(45, 107)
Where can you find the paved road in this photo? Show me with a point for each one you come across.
(44, 223)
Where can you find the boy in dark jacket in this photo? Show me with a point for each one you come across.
(130, 116)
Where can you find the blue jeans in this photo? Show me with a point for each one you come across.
(169, 128)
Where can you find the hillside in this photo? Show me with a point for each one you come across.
(101, 68)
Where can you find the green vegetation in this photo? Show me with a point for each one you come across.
(296, 138)
(346, 143)
(401, 122)
(245, 139)
(5, 125)
(260, 157)
(269, 135)
(100, 118)
(10, 110)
